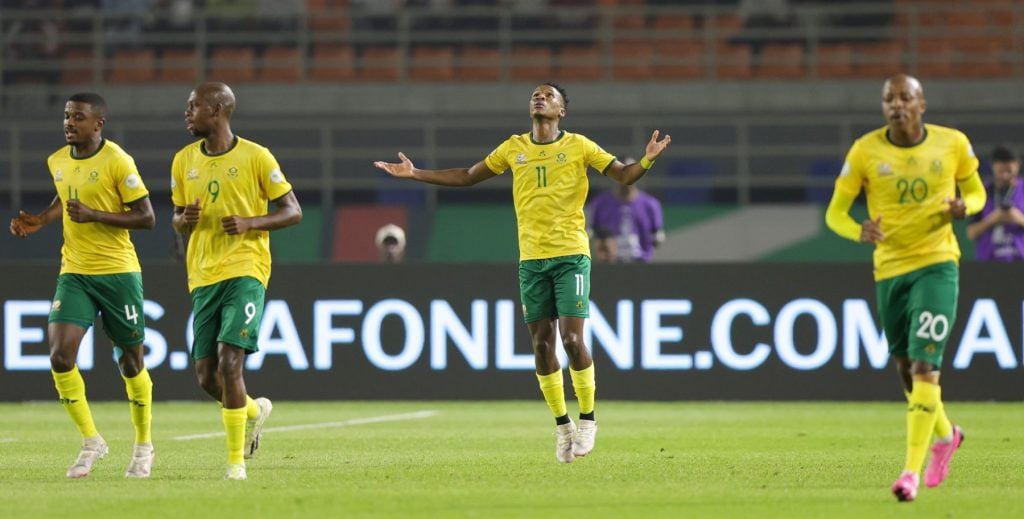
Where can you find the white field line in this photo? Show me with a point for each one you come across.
(8, 440)
(324, 425)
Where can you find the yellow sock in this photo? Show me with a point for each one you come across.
(921, 413)
(583, 383)
(943, 427)
(140, 402)
(251, 409)
(234, 426)
(71, 389)
(554, 392)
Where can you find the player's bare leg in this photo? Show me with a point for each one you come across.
(581, 370)
(549, 375)
(65, 339)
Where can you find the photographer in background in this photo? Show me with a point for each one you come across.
(998, 230)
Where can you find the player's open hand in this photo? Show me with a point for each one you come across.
(79, 212)
(25, 224)
(191, 213)
(403, 169)
(871, 231)
(655, 147)
(235, 224)
(957, 207)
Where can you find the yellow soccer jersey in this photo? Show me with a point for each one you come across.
(107, 180)
(549, 189)
(906, 187)
(239, 182)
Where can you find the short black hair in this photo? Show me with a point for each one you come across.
(1003, 154)
(561, 91)
(96, 101)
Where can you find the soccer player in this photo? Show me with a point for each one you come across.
(100, 196)
(910, 172)
(549, 169)
(221, 185)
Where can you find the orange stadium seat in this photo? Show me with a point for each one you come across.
(983, 57)
(332, 63)
(328, 16)
(432, 64)
(77, 66)
(833, 60)
(478, 64)
(733, 62)
(232, 64)
(781, 61)
(280, 65)
(382, 63)
(725, 27)
(934, 58)
(632, 61)
(179, 66)
(579, 62)
(530, 63)
(355, 230)
(679, 60)
(878, 59)
(133, 66)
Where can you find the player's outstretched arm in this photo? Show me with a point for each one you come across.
(25, 224)
(628, 174)
(442, 177)
(138, 216)
(288, 212)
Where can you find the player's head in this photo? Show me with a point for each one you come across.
(903, 101)
(1005, 165)
(85, 114)
(209, 106)
(548, 101)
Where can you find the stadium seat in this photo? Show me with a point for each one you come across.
(478, 64)
(328, 16)
(679, 59)
(724, 27)
(983, 58)
(232, 64)
(821, 180)
(934, 58)
(530, 63)
(733, 62)
(632, 60)
(579, 62)
(133, 66)
(380, 63)
(78, 66)
(355, 229)
(781, 61)
(833, 60)
(878, 60)
(179, 66)
(280, 64)
(698, 171)
(432, 64)
(331, 62)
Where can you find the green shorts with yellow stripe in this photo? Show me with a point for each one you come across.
(228, 311)
(555, 287)
(918, 310)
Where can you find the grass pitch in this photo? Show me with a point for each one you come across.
(496, 459)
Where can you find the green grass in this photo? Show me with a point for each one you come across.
(496, 459)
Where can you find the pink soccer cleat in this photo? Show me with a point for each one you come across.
(942, 453)
(905, 488)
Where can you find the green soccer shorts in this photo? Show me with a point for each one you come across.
(230, 312)
(555, 287)
(116, 297)
(918, 310)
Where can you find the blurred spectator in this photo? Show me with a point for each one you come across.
(626, 223)
(767, 21)
(124, 21)
(35, 39)
(998, 230)
(375, 15)
(391, 243)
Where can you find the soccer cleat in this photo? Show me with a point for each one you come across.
(236, 472)
(92, 449)
(563, 442)
(583, 442)
(942, 453)
(905, 488)
(142, 461)
(254, 427)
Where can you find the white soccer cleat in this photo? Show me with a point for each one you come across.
(583, 442)
(254, 427)
(93, 449)
(142, 461)
(236, 472)
(563, 442)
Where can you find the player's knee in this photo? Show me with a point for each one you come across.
(543, 347)
(62, 361)
(572, 342)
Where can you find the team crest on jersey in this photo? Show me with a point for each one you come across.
(521, 158)
(58, 176)
(133, 181)
(232, 172)
(884, 169)
(94, 176)
(936, 166)
(193, 174)
(543, 153)
(560, 158)
(55, 307)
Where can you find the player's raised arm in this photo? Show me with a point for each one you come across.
(630, 173)
(25, 223)
(441, 177)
